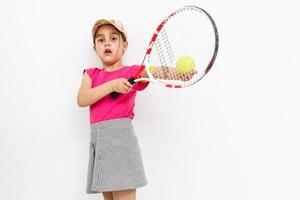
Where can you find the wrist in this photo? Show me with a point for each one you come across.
(110, 86)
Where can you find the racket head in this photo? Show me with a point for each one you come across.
(184, 45)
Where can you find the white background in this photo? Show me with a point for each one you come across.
(234, 136)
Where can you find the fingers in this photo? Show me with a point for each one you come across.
(124, 86)
(126, 82)
(187, 76)
(125, 89)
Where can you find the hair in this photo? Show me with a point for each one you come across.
(123, 37)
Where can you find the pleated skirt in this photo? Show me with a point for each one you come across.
(115, 160)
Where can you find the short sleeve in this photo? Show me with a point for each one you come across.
(89, 71)
(140, 85)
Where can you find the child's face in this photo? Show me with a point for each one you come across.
(109, 45)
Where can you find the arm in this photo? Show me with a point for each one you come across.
(88, 95)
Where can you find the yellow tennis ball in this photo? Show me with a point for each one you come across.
(185, 64)
(151, 68)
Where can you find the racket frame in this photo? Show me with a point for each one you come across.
(152, 42)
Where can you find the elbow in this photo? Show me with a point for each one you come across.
(80, 102)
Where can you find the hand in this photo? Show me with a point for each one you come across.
(120, 85)
(186, 76)
(170, 73)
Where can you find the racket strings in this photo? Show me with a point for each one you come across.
(167, 58)
(164, 50)
(187, 33)
(167, 46)
(159, 51)
(165, 74)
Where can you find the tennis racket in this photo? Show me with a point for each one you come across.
(181, 51)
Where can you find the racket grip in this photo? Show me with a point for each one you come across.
(114, 95)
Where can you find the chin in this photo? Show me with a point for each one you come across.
(108, 62)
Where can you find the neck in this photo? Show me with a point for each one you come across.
(112, 67)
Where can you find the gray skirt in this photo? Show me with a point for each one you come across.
(115, 160)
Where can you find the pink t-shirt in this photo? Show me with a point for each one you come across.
(121, 107)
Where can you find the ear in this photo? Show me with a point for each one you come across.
(125, 46)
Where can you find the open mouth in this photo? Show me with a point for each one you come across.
(107, 51)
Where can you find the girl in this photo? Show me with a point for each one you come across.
(115, 163)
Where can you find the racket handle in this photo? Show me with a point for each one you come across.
(114, 95)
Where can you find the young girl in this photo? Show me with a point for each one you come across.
(115, 163)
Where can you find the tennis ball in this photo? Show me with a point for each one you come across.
(185, 64)
(151, 68)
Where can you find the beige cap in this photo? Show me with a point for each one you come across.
(117, 24)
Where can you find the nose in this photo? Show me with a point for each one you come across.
(107, 44)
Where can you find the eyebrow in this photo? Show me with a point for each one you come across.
(109, 34)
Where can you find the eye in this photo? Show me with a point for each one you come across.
(100, 40)
(114, 38)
